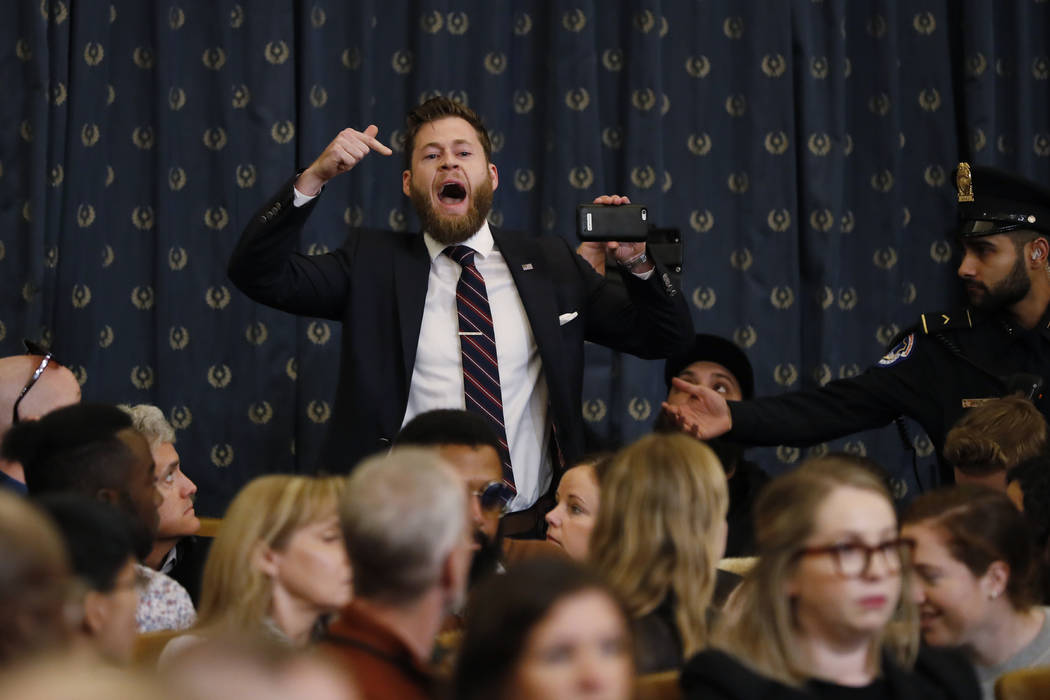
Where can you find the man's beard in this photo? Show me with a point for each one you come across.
(729, 453)
(486, 558)
(449, 230)
(1008, 292)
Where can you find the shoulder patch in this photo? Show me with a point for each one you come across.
(931, 323)
(899, 352)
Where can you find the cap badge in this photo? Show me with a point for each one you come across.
(964, 183)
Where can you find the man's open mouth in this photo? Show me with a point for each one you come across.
(452, 193)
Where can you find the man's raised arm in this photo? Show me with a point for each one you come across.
(265, 264)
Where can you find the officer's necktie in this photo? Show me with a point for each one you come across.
(477, 343)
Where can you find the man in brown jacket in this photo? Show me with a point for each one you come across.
(410, 544)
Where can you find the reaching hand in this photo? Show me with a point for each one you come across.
(344, 152)
(704, 415)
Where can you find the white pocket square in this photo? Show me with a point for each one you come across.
(565, 318)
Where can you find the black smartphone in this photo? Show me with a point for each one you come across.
(608, 222)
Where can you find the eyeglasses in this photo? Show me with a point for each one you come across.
(494, 496)
(853, 559)
(32, 349)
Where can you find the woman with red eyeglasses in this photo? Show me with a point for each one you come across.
(826, 612)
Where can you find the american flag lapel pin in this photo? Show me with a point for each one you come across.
(526, 266)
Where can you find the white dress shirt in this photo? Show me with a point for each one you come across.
(437, 376)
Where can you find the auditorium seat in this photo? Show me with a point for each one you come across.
(658, 686)
(1024, 684)
(209, 527)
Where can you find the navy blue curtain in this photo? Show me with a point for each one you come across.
(804, 149)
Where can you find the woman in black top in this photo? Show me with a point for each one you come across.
(827, 611)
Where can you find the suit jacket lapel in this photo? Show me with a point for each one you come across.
(411, 277)
(529, 270)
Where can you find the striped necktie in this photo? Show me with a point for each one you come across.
(477, 343)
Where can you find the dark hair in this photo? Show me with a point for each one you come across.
(439, 108)
(1023, 237)
(76, 448)
(982, 526)
(100, 537)
(996, 436)
(1033, 476)
(502, 614)
(448, 426)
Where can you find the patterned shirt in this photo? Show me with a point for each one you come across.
(163, 603)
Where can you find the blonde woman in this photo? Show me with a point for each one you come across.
(826, 611)
(660, 533)
(571, 520)
(278, 564)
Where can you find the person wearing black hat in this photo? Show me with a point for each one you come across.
(948, 362)
(718, 364)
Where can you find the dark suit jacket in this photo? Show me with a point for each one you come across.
(376, 284)
(192, 553)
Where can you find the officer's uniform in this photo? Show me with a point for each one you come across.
(941, 367)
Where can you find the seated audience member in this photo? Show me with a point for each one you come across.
(102, 548)
(255, 668)
(826, 612)
(80, 677)
(550, 629)
(30, 386)
(278, 566)
(92, 449)
(978, 587)
(176, 552)
(571, 521)
(410, 543)
(659, 535)
(992, 438)
(720, 365)
(1028, 486)
(34, 583)
(467, 442)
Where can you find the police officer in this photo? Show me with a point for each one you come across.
(948, 362)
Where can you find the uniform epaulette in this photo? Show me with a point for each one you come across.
(931, 323)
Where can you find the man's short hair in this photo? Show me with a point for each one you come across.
(402, 515)
(448, 426)
(76, 448)
(996, 436)
(99, 537)
(439, 108)
(150, 422)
